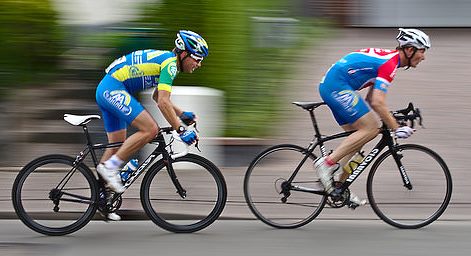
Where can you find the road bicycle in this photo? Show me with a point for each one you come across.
(409, 186)
(58, 194)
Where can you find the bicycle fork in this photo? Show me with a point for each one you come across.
(171, 172)
(402, 170)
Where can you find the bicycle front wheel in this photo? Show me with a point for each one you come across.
(202, 202)
(423, 201)
(267, 190)
(53, 197)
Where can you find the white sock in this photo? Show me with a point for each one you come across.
(114, 163)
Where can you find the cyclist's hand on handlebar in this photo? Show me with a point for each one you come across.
(189, 137)
(404, 132)
(188, 118)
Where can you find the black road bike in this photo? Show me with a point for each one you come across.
(408, 186)
(59, 194)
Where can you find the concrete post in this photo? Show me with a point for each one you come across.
(206, 103)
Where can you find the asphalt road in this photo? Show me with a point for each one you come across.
(322, 237)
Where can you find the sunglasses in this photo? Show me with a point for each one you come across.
(196, 58)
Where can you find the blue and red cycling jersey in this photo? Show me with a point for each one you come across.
(353, 72)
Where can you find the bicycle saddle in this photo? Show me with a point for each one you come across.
(79, 120)
(308, 105)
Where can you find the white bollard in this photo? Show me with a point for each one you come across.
(206, 103)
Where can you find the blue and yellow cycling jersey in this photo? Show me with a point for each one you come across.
(143, 69)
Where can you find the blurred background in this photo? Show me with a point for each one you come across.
(264, 54)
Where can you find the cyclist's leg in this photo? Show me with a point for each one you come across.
(123, 108)
(352, 113)
(147, 130)
(117, 136)
(366, 129)
(344, 161)
(115, 127)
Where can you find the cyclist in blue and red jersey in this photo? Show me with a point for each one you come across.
(373, 69)
(135, 72)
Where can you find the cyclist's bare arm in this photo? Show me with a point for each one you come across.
(368, 96)
(377, 100)
(178, 111)
(169, 111)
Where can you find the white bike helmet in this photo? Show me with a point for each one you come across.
(413, 37)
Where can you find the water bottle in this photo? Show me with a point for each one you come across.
(354, 162)
(129, 168)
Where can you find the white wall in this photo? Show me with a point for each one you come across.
(98, 12)
(413, 13)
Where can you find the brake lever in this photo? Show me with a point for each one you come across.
(418, 114)
(197, 145)
(197, 141)
(406, 111)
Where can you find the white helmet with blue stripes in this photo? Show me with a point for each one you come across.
(413, 37)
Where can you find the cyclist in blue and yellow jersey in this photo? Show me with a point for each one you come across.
(135, 72)
(367, 68)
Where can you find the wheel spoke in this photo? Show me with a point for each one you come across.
(70, 208)
(416, 205)
(188, 204)
(275, 202)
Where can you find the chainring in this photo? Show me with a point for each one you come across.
(342, 201)
(103, 202)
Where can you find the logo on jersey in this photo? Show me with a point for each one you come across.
(135, 72)
(172, 69)
(353, 71)
(348, 99)
(378, 53)
(149, 81)
(120, 99)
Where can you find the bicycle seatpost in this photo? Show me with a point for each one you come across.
(314, 124)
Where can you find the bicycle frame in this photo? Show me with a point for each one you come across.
(90, 149)
(386, 141)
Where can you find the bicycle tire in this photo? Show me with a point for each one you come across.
(428, 174)
(205, 198)
(29, 202)
(262, 185)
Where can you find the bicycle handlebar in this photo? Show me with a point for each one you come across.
(405, 117)
(176, 136)
(185, 151)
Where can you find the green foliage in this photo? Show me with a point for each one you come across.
(251, 76)
(30, 41)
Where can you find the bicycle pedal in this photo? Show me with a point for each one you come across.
(352, 206)
(103, 215)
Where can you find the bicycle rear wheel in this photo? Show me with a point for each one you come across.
(264, 180)
(205, 198)
(53, 198)
(413, 207)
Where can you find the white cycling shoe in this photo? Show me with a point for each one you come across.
(325, 174)
(113, 216)
(111, 177)
(356, 199)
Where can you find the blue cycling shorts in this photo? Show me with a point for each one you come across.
(346, 104)
(118, 106)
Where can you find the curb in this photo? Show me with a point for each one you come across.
(125, 215)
